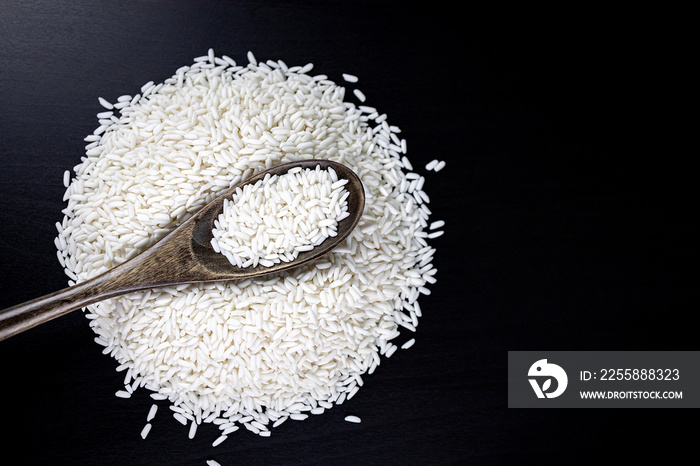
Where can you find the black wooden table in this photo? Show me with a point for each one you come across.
(566, 227)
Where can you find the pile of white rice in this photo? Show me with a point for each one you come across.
(276, 218)
(256, 352)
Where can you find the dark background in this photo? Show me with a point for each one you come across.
(567, 195)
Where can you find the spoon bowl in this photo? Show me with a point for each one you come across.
(185, 255)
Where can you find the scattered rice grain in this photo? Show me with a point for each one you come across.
(408, 344)
(152, 412)
(360, 96)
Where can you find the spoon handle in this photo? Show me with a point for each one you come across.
(155, 267)
(29, 314)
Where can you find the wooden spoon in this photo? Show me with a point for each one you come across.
(183, 256)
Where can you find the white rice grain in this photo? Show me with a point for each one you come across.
(251, 58)
(408, 344)
(353, 419)
(105, 103)
(432, 164)
(193, 430)
(152, 412)
(230, 430)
